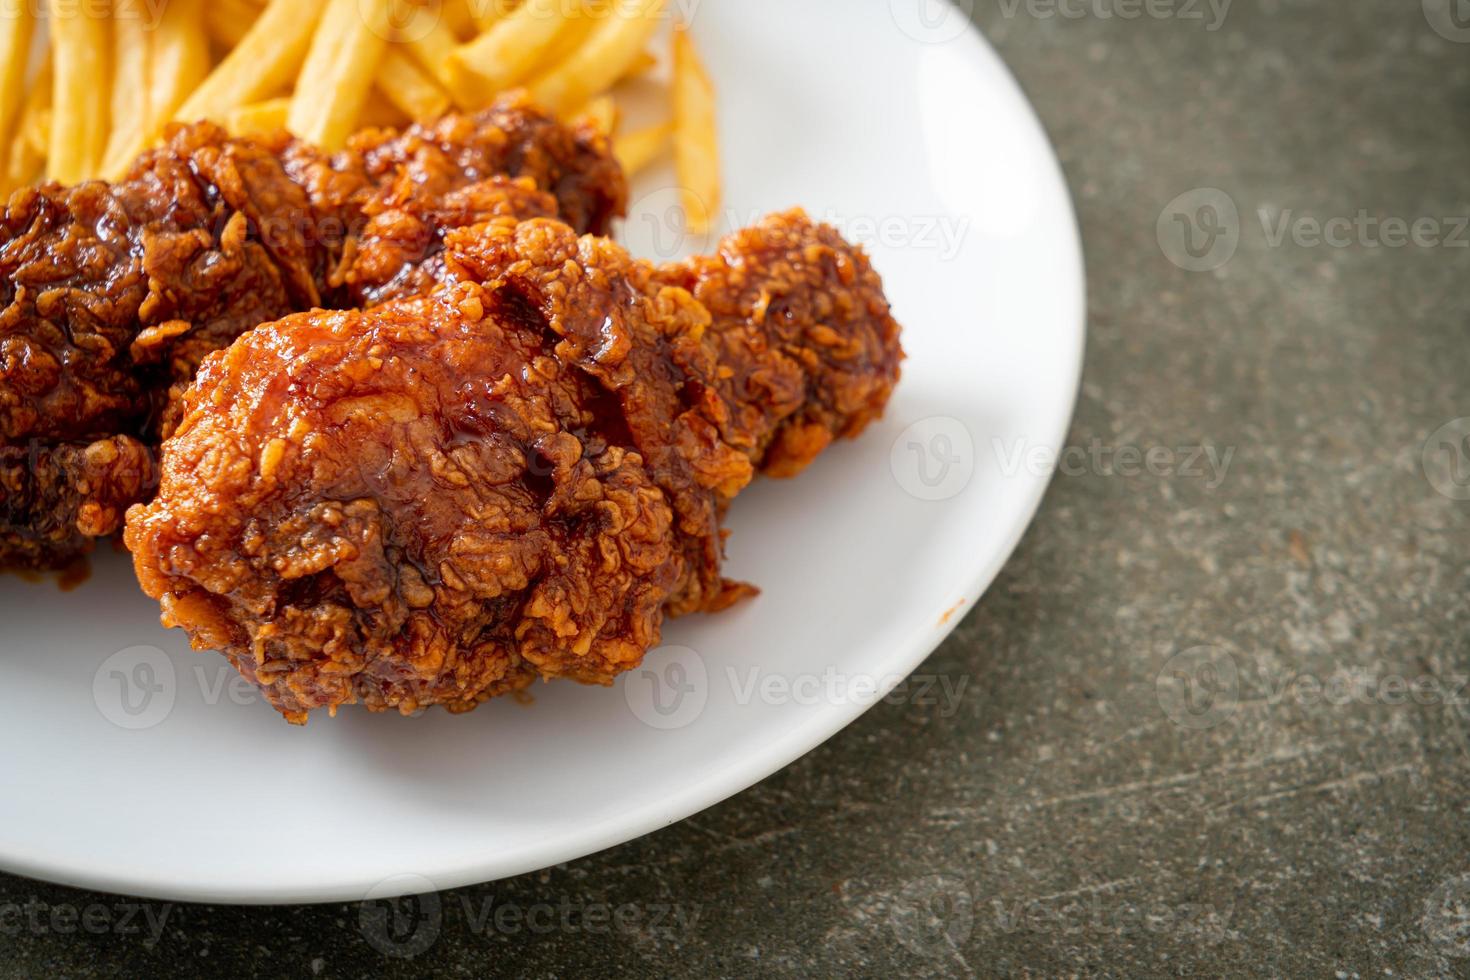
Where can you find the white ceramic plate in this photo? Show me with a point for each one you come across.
(135, 765)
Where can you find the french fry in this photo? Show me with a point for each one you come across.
(80, 55)
(410, 88)
(486, 13)
(39, 134)
(573, 36)
(378, 111)
(228, 21)
(130, 120)
(259, 118)
(460, 16)
(264, 62)
(610, 50)
(696, 138)
(641, 65)
(340, 64)
(601, 112)
(427, 35)
(179, 51)
(175, 54)
(338, 74)
(28, 146)
(509, 51)
(16, 30)
(638, 149)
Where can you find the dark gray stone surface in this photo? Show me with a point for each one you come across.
(1181, 747)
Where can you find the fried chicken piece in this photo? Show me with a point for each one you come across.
(111, 295)
(803, 336)
(442, 498)
(59, 497)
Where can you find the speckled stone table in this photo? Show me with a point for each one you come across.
(1211, 720)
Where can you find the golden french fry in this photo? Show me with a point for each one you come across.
(228, 21)
(39, 135)
(638, 149)
(179, 59)
(579, 27)
(487, 13)
(80, 55)
(601, 112)
(34, 128)
(16, 29)
(696, 138)
(130, 120)
(410, 88)
(423, 30)
(175, 54)
(509, 51)
(28, 146)
(641, 65)
(259, 118)
(264, 62)
(338, 74)
(459, 15)
(616, 41)
(378, 111)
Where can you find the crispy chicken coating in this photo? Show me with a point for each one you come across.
(441, 498)
(54, 497)
(111, 295)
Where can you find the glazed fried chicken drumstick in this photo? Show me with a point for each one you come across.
(111, 294)
(445, 497)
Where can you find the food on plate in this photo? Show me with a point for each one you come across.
(268, 58)
(154, 70)
(614, 45)
(321, 69)
(518, 475)
(601, 112)
(32, 135)
(339, 64)
(696, 142)
(410, 89)
(80, 57)
(445, 437)
(110, 295)
(636, 150)
(259, 118)
(511, 48)
(333, 86)
(15, 43)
